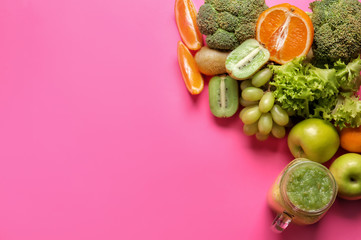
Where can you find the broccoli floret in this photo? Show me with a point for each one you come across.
(208, 25)
(337, 25)
(231, 6)
(245, 31)
(222, 40)
(227, 23)
(251, 9)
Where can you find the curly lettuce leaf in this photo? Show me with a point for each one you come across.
(312, 92)
(348, 75)
(347, 112)
(298, 85)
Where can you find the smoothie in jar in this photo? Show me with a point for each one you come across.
(302, 193)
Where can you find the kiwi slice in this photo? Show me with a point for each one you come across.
(246, 59)
(223, 96)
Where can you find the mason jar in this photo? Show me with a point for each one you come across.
(302, 193)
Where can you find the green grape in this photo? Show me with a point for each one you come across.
(261, 137)
(251, 114)
(261, 77)
(279, 115)
(241, 112)
(278, 131)
(250, 129)
(266, 102)
(245, 84)
(252, 94)
(265, 123)
(245, 103)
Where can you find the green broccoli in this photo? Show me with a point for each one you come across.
(227, 23)
(222, 40)
(337, 25)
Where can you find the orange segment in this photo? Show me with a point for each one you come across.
(286, 31)
(188, 66)
(186, 19)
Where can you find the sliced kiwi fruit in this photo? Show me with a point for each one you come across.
(246, 59)
(223, 96)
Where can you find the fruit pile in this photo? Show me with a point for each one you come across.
(269, 63)
(262, 116)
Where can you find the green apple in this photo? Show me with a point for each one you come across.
(314, 139)
(347, 172)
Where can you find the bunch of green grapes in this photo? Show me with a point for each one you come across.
(261, 115)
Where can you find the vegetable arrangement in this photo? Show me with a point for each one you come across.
(289, 65)
(284, 69)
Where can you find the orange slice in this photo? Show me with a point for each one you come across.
(286, 31)
(186, 19)
(192, 77)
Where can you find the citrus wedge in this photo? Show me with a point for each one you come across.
(186, 19)
(286, 31)
(192, 77)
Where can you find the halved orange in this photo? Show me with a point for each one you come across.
(286, 31)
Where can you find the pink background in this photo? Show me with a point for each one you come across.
(99, 138)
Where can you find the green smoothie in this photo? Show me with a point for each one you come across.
(309, 188)
(302, 193)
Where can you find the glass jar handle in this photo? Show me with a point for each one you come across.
(281, 222)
